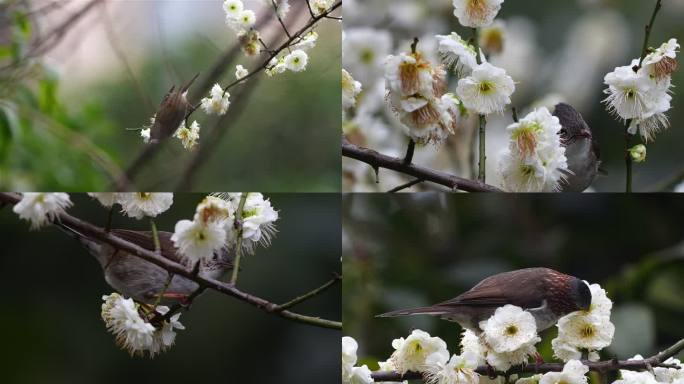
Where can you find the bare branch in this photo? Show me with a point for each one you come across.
(378, 160)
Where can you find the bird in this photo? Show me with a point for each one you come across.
(171, 113)
(142, 280)
(581, 149)
(545, 293)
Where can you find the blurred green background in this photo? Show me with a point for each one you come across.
(414, 250)
(52, 296)
(63, 118)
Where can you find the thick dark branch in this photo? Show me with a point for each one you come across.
(100, 234)
(598, 366)
(378, 160)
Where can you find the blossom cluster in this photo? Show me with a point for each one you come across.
(214, 226)
(659, 375)
(535, 158)
(130, 323)
(505, 339)
(640, 92)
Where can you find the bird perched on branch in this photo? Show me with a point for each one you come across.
(581, 149)
(172, 111)
(135, 277)
(547, 294)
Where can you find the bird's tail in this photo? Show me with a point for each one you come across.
(433, 310)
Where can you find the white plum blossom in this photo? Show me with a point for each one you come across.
(213, 209)
(415, 88)
(360, 375)
(134, 333)
(629, 93)
(233, 8)
(364, 51)
(509, 336)
(574, 372)
(670, 375)
(456, 53)
(460, 369)
(663, 58)
(258, 220)
(639, 92)
(589, 330)
(470, 344)
(487, 90)
(217, 103)
(165, 336)
(411, 354)
(350, 89)
(40, 208)
(188, 135)
(140, 204)
(107, 199)
(349, 348)
(240, 72)
(247, 18)
(122, 318)
(534, 379)
(145, 134)
(476, 13)
(634, 377)
(535, 158)
(296, 61)
(197, 240)
(307, 42)
(509, 328)
(318, 7)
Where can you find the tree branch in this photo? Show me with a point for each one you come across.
(204, 282)
(310, 294)
(597, 366)
(378, 160)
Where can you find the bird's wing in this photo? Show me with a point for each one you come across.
(523, 288)
(145, 240)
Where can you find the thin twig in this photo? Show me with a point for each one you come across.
(378, 160)
(647, 31)
(238, 246)
(97, 233)
(410, 149)
(597, 366)
(310, 294)
(405, 186)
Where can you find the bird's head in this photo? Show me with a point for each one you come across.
(580, 294)
(573, 125)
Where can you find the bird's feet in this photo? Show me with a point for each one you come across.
(538, 361)
(181, 297)
(491, 372)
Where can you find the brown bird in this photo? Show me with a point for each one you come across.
(172, 111)
(547, 294)
(137, 278)
(581, 149)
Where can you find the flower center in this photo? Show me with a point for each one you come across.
(367, 56)
(144, 195)
(477, 9)
(587, 331)
(511, 330)
(486, 86)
